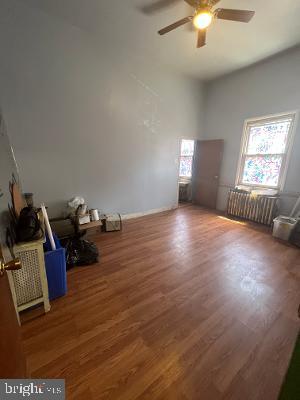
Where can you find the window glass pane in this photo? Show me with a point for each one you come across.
(185, 169)
(269, 139)
(187, 147)
(262, 170)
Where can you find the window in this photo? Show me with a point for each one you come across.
(265, 150)
(186, 158)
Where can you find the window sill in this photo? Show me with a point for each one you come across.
(259, 190)
(185, 181)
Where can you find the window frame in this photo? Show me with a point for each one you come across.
(249, 123)
(186, 178)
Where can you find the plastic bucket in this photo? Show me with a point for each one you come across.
(283, 227)
(56, 272)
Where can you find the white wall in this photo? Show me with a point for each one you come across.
(85, 120)
(270, 87)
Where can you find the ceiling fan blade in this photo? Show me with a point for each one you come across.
(193, 3)
(157, 6)
(177, 24)
(201, 38)
(213, 2)
(234, 15)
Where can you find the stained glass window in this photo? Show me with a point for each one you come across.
(268, 139)
(186, 158)
(265, 149)
(187, 147)
(262, 170)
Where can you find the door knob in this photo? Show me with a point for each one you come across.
(10, 266)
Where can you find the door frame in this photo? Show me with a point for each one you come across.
(178, 169)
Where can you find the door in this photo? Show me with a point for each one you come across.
(206, 171)
(12, 360)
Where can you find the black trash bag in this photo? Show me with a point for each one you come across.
(81, 252)
(28, 226)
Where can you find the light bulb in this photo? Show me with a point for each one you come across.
(203, 20)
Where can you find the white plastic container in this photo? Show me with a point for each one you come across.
(283, 227)
(94, 215)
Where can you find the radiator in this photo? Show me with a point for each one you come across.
(261, 209)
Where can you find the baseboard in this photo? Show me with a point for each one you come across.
(149, 212)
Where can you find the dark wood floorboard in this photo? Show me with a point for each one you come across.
(183, 305)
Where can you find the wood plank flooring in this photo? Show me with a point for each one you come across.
(183, 305)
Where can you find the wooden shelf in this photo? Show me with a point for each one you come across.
(90, 225)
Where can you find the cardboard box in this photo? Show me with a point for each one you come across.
(113, 222)
(83, 219)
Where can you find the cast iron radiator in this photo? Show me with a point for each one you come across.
(261, 209)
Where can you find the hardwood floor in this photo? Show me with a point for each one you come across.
(183, 305)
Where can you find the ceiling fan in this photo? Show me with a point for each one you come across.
(204, 16)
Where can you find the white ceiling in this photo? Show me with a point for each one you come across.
(231, 45)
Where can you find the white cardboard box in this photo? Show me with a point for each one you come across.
(113, 222)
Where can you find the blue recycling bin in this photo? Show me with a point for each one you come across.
(55, 261)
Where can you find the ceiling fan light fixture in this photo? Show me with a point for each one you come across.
(203, 19)
(204, 15)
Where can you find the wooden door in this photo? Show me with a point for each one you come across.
(12, 360)
(206, 171)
